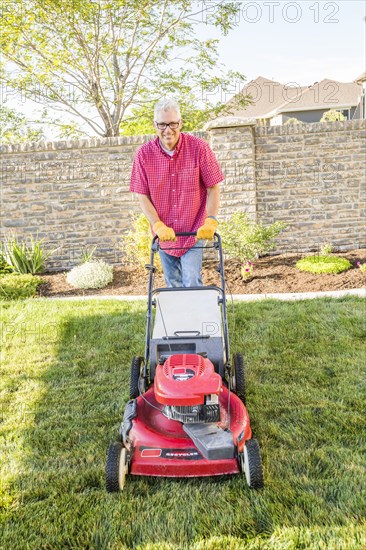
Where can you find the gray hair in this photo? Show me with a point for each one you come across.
(165, 104)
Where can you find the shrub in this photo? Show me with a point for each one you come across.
(14, 286)
(247, 240)
(87, 253)
(136, 244)
(246, 270)
(326, 249)
(94, 274)
(23, 258)
(4, 266)
(323, 264)
(332, 116)
(293, 120)
(362, 267)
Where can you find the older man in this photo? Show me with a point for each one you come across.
(176, 177)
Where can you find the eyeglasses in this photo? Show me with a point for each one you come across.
(163, 125)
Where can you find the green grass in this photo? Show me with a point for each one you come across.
(63, 388)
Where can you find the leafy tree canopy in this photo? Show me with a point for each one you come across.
(14, 127)
(105, 62)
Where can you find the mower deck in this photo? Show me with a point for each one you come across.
(162, 448)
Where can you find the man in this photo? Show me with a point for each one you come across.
(176, 177)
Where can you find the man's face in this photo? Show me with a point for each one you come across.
(168, 137)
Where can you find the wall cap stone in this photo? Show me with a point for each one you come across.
(82, 143)
(229, 122)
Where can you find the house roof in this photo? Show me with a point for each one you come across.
(361, 78)
(271, 98)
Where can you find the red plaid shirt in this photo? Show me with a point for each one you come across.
(177, 185)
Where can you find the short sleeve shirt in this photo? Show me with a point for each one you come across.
(177, 185)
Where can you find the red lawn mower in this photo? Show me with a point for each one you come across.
(186, 416)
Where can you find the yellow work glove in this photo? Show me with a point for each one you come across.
(207, 230)
(163, 232)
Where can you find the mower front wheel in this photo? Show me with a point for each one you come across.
(251, 464)
(117, 467)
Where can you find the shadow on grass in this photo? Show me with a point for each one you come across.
(305, 400)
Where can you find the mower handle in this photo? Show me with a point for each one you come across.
(179, 234)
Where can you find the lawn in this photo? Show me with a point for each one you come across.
(64, 385)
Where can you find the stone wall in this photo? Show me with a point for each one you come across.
(313, 177)
(75, 193)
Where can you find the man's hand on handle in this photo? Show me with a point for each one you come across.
(163, 232)
(207, 230)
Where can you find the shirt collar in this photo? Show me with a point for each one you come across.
(176, 149)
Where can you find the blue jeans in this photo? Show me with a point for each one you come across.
(185, 270)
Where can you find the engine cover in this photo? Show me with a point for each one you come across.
(185, 379)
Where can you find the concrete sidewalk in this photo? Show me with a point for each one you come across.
(360, 292)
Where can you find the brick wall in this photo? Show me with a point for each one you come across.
(75, 193)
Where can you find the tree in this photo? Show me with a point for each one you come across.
(332, 116)
(141, 119)
(15, 128)
(101, 59)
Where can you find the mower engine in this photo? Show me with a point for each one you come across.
(188, 387)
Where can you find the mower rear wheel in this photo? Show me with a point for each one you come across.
(239, 384)
(251, 464)
(117, 467)
(135, 376)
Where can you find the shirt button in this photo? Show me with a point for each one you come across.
(173, 174)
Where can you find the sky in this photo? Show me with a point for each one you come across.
(295, 43)
(301, 42)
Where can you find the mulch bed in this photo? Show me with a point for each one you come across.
(271, 274)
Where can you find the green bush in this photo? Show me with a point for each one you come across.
(293, 120)
(247, 240)
(4, 266)
(94, 274)
(326, 249)
(332, 116)
(136, 244)
(323, 264)
(87, 253)
(14, 286)
(23, 258)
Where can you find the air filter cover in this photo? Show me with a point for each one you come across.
(185, 379)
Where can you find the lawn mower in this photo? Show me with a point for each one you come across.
(186, 416)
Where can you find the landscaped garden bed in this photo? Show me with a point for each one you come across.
(271, 274)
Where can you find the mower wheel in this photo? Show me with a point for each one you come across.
(117, 467)
(134, 377)
(251, 464)
(239, 385)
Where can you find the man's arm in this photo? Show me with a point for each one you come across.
(213, 200)
(148, 208)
